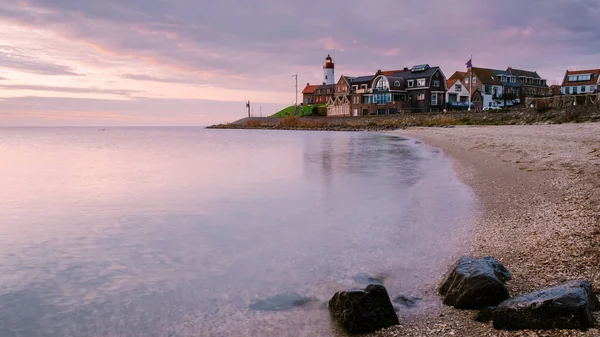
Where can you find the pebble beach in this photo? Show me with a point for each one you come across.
(538, 188)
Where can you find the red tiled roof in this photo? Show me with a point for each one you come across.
(594, 80)
(486, 76)
(459, 75)
(310, 89)
(450, 83)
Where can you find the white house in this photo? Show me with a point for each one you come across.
(457, 92)
(581, 82)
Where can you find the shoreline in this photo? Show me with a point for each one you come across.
(401, 121)
(539, 193)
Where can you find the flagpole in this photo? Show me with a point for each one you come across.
(470, 80)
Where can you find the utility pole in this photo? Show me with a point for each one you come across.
(296, 76)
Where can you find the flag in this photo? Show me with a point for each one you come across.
(469, 64)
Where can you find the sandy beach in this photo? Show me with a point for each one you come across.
(539, 194)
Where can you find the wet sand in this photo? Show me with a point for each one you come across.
(539, 214)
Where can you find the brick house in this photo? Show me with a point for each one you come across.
(419, 89)
(308, 94)
(487, 84)
(323, 93)
(555, 89)
(581, 82)
(532, 85)
(339, 104)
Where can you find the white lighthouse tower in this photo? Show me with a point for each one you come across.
(328, 71)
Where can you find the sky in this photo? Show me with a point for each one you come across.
(196, 62)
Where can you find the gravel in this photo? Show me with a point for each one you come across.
(539, 192)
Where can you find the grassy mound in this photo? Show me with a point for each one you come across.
(305, 110)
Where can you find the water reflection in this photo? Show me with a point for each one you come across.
(177, 231)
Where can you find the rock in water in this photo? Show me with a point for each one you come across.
(567, 306)
(409, 302)
(363, 311)
(366, 279)
(475, 283)
(280, 302)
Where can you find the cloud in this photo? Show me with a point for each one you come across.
(142, 77)
(258, 45)
(72, 90)
(27, 64)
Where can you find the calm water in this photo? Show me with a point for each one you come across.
(176, 231)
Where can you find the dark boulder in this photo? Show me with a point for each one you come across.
(280, 302)
(363, 311)
(475, 283)
(485, 315)
(566, 306)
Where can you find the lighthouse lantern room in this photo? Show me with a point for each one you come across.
(328, 71)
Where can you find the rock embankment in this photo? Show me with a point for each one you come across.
(384, 123)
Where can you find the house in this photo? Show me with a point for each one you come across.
(581, 82)
(308, 94)
(323, 93)
(532, 85)
(487, 83)
(511, 88)
(339, 104)
(457, 92)
(419, 89)
(555, 89)
(359, 87)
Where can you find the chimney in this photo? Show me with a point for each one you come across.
(405, 69)
(307, 83)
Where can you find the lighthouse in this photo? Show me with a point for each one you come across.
(328, 71)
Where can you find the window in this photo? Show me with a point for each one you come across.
(354, 87)
(585, 77)
(397, 83)
(325, 76)
(466, 81)
(421, 97)
(411, 83)
(382, 84)
(421, 82)
(434, 99)
(457, 87)
(582, 89)
(513, 79)
(474, 80)
(436, 83)
(572, 78)
(363, 86)
(575, 90)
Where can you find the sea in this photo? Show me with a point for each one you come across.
(191, 232)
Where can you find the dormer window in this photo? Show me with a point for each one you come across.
(354, 87)
(421, 82)
(411, 83)
(363, 86)
(397, 84)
